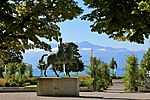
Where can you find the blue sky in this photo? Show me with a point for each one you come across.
(78, 30)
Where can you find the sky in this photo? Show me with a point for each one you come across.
(78, 30)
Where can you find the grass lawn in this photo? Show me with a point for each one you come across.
(31, 86)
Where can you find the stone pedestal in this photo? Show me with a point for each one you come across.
(57, 86)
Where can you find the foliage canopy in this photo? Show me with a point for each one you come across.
(145, 63)
(132, 78)
(113, 64)
(99, 72)
(120, 19)
(24, 22)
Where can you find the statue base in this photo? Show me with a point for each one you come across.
(57, 86)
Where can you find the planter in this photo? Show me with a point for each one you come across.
(143, 89)
(56, 86)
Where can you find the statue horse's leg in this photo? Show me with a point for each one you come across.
(55, 71)
(45, 70)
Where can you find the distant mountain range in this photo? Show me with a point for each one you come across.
(104, 53)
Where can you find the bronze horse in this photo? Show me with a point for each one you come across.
(63, 56)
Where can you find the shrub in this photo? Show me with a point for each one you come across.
(99, 72)
(33, 81)
(17, 74)
(2, 82)
(11, 84)
(26, 84)
(131, 79)
(85, 80)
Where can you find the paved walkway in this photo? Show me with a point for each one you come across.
(115, 92)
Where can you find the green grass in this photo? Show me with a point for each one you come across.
(31, 86)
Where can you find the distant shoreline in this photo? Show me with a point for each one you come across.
(36, 72)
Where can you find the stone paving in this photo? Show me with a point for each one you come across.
(115, 92)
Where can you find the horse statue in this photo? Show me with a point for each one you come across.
(65, 55)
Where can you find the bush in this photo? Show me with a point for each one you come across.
(33, 81)
(11, 84)
(7, 84)
(26, 84)
(85, 80)
(2, 82)
(100, 75)
(17, 74)
(85, 83)
(132, 77)
(14, 84)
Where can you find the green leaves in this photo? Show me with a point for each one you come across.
(132, 78)
(117, 18)
(99, 72)
(144, 6)
(23, 23)
(145, 63)
(113, 64)
(76, 64)
(18, 73)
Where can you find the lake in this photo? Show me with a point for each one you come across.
(36, 72)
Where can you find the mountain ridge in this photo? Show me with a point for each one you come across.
(104, 53)
(95, 45)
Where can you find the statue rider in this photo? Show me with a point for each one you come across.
(60, 53)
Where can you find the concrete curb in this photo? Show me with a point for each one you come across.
(17, 89)
(143, 89)
(31, 89)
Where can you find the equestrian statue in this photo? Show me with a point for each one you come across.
(66, 55)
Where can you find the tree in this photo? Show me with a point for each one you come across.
(24, 22)
(29, 70)
(77, 64)
(2, 68)
(72, 67)
(120, 19)
(74, 64)
(10, 72)
(131, 79)
(113, 65)
(18, 74)
(145, 69)
(99, 72)
(10, 57)
(145, 62)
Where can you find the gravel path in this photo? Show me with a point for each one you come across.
(115, 92)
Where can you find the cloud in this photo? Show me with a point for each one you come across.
(41, 50)
(102, 49)
(85, 49)
(34, 50)
(54, 49)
